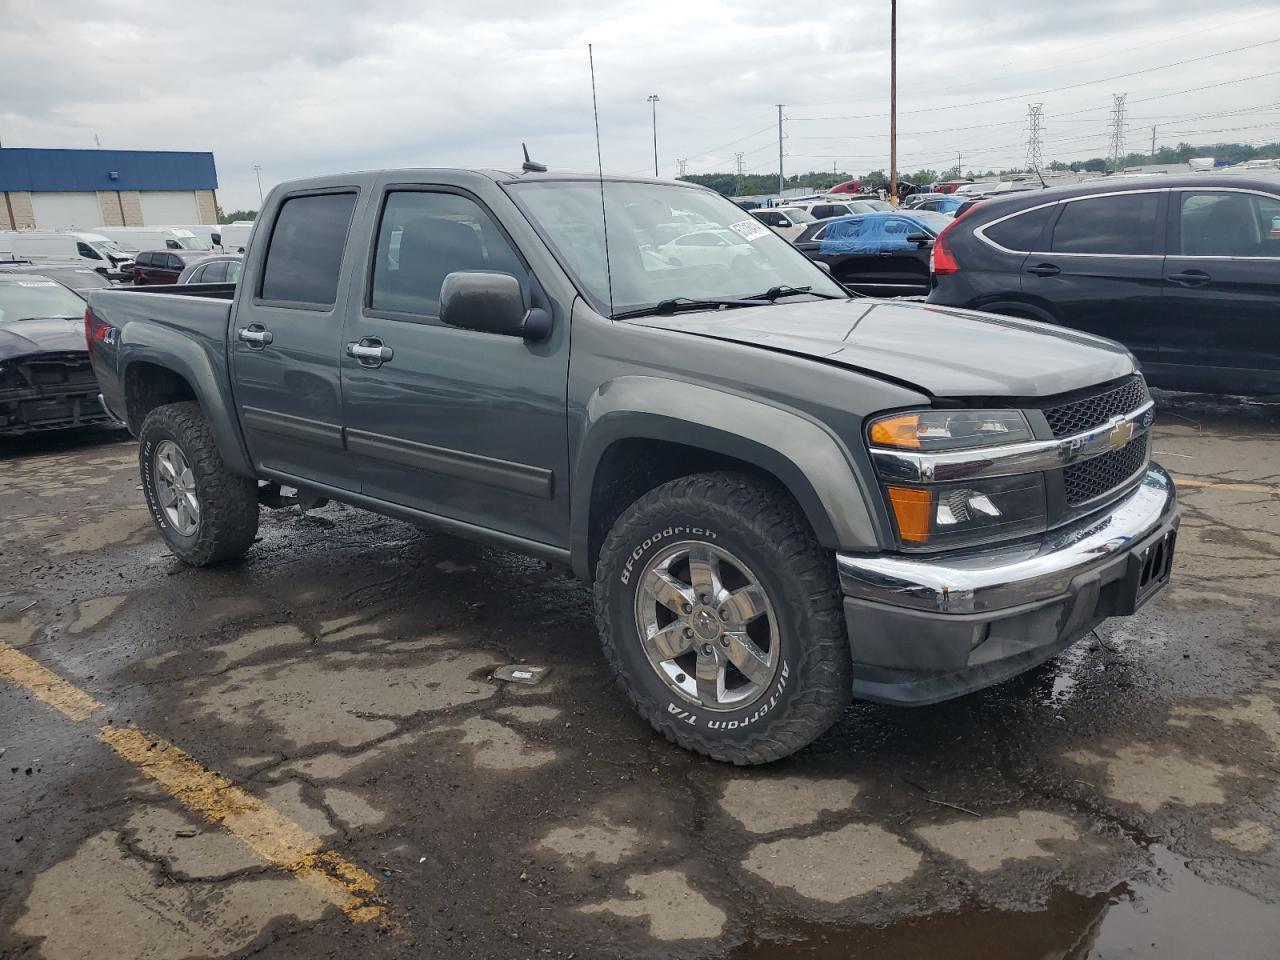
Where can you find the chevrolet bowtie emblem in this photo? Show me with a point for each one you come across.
(1121, 434)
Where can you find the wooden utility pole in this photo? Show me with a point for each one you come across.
(893, 101)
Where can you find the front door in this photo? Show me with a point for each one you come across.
(1222, 291)
(459, 424)
(286, 340)
(1103, 269)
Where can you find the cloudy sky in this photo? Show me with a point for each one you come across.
(329, 85)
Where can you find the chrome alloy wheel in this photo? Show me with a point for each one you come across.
(175, 486)
(707, 626)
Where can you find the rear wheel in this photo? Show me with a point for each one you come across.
(206, 513)
(720, 615)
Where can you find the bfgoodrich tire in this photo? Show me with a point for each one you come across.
(205, 513)
(721, 617)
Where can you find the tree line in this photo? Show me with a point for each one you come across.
(756, 184)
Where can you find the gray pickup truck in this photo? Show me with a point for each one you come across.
(785, 496)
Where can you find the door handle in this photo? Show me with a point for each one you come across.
(1189, 278)
(370, 351)
(1044, 270)
(255, 335)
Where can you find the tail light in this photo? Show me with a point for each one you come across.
(942, 261)
(96, 330)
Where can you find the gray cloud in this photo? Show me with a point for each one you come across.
(317, 87)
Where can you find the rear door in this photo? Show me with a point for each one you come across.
(1102, 272)
(460, 424)
(1222, 289)
(286, 339)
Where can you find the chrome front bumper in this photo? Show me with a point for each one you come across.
(922, 630)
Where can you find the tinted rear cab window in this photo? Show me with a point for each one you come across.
(1117, 224)
(305, 253)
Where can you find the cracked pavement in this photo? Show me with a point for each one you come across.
(1123, 800)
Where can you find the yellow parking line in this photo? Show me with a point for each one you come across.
(275, 837)
(1229, 485)
(269, 833)
(46, 685)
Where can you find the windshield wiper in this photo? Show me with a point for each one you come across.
(774, 293)
(676, 304)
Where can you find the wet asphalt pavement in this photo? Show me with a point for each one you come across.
(1121, 801)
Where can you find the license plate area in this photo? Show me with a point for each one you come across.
(1149, 569)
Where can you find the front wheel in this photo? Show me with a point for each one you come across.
(720, 615)
(206, 513)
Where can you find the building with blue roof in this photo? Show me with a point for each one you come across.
(80, 189)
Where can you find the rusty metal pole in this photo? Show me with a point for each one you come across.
(893, 101)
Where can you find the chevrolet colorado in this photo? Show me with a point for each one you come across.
(784, 495)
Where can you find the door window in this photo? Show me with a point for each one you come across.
(197, 275)
(215, 272)
(174, 263)
(424, 237)
(305, 251)
(87, 251)
(233, 271)
(1228, 224)
(1118, 224)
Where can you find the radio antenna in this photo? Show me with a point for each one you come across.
(604, 219)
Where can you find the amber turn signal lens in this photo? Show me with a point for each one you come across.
(912, 509)
(902, 431)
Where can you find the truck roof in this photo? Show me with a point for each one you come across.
(463, 173)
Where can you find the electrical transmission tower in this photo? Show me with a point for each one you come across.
(738, 158)
(1116, 130)
(1035, 135)
(683, 164)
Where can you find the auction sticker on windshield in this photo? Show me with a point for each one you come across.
(36, 283)
(749, 229)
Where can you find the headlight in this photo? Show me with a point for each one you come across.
(930, 430)
(968, 513)
(939, 515)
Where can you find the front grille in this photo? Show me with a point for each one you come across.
(1091, 479)
(1080, 415)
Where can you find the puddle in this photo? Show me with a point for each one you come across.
(1174, 916)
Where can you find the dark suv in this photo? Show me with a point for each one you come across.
(1184, 271)
(163, 266)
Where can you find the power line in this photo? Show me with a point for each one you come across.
(1057, 63)
(1069, 86)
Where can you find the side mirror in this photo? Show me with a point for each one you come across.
(823, 266)
(919, 239)
(492, 303)
(784, 222)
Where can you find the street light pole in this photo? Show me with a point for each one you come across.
(653, 102)
(893, 101)
(257, 172)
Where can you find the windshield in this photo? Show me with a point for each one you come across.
(194, 243)
(665, 242)
(109, 247)
(796, 215)
(32, 299)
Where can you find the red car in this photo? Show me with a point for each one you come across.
(849, 186)
(163, 266)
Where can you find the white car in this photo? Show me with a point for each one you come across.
(786, 222)
(705, 248)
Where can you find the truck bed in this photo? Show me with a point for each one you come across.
(179, 325)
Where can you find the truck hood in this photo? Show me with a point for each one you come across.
(21, 338)
(939, 350)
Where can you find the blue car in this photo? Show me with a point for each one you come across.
(948, 204)
(879, 254)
